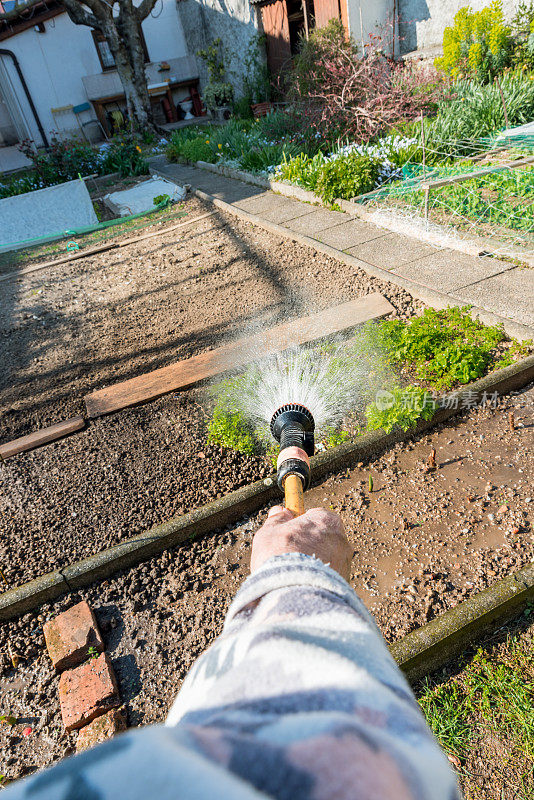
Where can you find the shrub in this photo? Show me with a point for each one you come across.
(338, 93)
(479, 44)
(217, 92)
(347, 176)
(523, 32)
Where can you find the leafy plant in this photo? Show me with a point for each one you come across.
(125, 157)
(92, 652)
(263, 158)
(479, 44)
(523, 32)
(400, 407)
(161, 199)
(516, 350)
(347, 177)
(217, 92)
(230, 429)
(198, 149)
(64, 160)
(443, 347)
(445, 711)
(256, 81)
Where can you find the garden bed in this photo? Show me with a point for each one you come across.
(423, 542)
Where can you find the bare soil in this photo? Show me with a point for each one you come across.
(423, 541)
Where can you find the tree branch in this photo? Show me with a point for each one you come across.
(144, 9)
(80, 16)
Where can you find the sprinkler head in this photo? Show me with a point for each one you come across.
(293, 426)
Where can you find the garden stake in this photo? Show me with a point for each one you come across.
(293, 426)
(511, 421)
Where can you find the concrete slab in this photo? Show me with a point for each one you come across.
(392, 250)
(349, 234)
(11, 159)
(316, 220)
(449, 269)
(284, 210)
(510, 295)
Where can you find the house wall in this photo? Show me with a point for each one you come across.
(54, 63)
(236, 22)
(422, 22)
(366, 17)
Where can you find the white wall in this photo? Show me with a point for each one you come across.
(370, 17)
(423, 21)
(53, 63)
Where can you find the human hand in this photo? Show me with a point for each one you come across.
(318, 533)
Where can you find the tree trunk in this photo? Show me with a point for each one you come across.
(125, 44)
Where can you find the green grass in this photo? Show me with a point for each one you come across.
(486, 708)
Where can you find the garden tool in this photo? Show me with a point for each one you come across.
(293, 426)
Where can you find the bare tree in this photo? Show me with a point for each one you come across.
(120, 23)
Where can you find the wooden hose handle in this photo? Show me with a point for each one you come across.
(294, 492)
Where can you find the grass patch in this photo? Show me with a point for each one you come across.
(483, 716)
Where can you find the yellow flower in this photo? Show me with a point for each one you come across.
(138, 148)
(207, 141)
(219, 146)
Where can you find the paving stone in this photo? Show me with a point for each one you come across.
(315, 221)
(87, 691)
(70, 635)
(349, 234)
(284, 210)
(101, 728)
(392, 250)
(510, 294)
(449, 269)
(262, 201)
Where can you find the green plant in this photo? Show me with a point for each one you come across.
(198, 150)
(516, 350)
(523, 31)
(230, 429)
(479, 43)
(256, 81)
(334, 435)
(399, 407)
(92, 652)
(347, 176)
(64, 160)
(264, 157)
(445, 710)
(242, 108)
(161, 200)
(125, 157)
(217, 92)
(443, 347)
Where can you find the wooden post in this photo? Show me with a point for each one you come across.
(423, 143)
(427, 194)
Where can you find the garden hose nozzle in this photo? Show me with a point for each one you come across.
(293, 426)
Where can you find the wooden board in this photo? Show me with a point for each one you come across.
(43, 436)
(187, 373)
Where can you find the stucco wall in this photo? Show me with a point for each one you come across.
(53, 63)
(422, 22)
(234, 21)
(376, 17)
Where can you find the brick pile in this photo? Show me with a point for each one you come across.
(88, 692)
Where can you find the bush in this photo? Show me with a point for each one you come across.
(347, 176)
(478, 45)
(340, 94)
(523, 31)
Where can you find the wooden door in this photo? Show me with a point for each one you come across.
(276, 29)
(325, 10)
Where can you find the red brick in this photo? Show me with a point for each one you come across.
(87, 691)
(70, 635)
(101, 728)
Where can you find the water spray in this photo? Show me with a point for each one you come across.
(293, 426)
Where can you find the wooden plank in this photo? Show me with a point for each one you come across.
(479, 173)
(43, 436)
(187, 373)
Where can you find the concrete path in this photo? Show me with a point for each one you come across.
(494, 286)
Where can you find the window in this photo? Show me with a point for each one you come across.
(105, 55)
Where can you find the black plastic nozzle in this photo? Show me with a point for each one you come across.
(293, 426)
